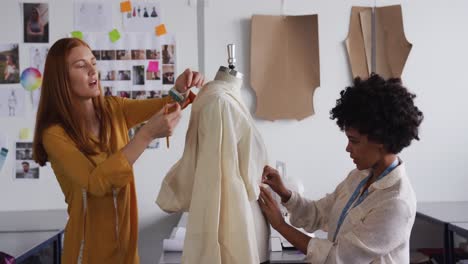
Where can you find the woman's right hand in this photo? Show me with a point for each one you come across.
(272, 178)
(162, 125)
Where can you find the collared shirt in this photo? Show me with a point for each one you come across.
(375, 231)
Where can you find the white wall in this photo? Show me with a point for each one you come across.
(180, 18)
(314, 148)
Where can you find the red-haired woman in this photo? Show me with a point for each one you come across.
(84, 136)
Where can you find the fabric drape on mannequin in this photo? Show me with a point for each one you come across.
(217, 179)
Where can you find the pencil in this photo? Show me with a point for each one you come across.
(167, 138)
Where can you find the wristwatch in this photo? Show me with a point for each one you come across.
(176, 95)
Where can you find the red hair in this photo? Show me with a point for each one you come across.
(57, 106)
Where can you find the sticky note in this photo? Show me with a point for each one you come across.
(125, 6)
(153, 66)
(77, 34)
(114, 35)
(161, 30)
(25, 133)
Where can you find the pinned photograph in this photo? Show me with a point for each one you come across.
(36, 22)
(138, 94)
(138, 55)
(125, 94)
(123, 55)
(124, 75)
(168, 54)
(97, 54)
(153, 54)
(108, 90)
(26, 168)
(107, 54)
(153, 94)
(9, 63)
(168, 74)
(139, 75)
(108, 75)
(153, 76)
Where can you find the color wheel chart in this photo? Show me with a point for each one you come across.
(31, 79)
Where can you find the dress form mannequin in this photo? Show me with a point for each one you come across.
(262, 231)
(217, 179)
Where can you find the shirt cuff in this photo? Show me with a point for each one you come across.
(318, 250)
(291, 203)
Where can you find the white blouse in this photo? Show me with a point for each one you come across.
(375, 231)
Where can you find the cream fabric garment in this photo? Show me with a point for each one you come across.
(217, 179)
(376, 231)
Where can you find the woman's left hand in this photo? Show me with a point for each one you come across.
(189, 79)
(270, 208)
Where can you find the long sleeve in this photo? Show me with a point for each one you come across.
(136, 111)
(311, 215)
(380, 232)
(67, 160)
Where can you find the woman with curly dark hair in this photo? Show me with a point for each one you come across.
(370, 214)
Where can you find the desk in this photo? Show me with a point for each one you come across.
(285, 256)
(23, 245)
(459, 228)
(443, 213)
(25, 233)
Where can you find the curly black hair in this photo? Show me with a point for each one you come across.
(381, 109)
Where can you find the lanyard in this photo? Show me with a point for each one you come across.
(355, 194)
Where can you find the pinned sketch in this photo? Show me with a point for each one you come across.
(9, 63)
(284, 63)
(376, 41)
(36, 22)
(25, 167)
(12, 102)
(143, 17)
(37, 57)
(92, 16)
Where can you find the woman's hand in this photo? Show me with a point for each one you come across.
(189, 79)
(162, 125)
(270, 208)
(272, 178)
